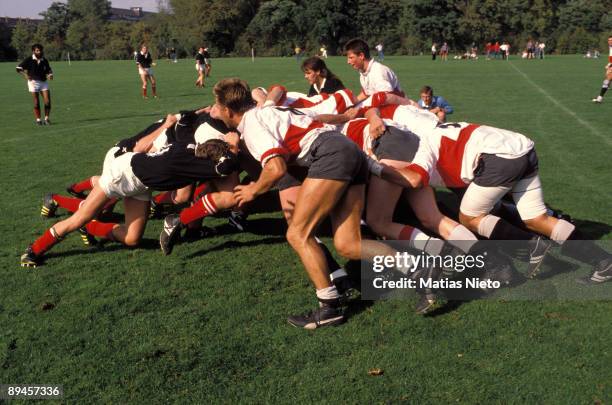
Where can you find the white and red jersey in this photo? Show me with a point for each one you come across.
(335, 103)
(418, 121)
(279, 131)
(453, 150)
(379, 78)
(358, 131)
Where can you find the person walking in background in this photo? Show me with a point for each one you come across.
(434, 51)
(36, 70)
(541, 46)
(298, 53)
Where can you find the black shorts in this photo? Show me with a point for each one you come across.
(395, 144)
(494, 171)
(249, 164)
(332, 156)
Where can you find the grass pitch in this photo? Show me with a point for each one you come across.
(207, 324)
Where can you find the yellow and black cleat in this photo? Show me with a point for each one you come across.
(87, 238)
(49, 206)
(29, 259)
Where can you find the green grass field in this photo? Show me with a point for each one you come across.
(208, 323)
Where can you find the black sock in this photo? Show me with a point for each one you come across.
(578, 247)
(505, 231)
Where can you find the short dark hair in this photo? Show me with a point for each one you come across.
(426, 90)
(234, 94)
(357, 46)
(37, 46)
(213, 149)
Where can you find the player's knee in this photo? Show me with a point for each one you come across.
(469, 221)
(536, 223)
(347, 247)
(295, 237)
(132, 240)
(606, 84)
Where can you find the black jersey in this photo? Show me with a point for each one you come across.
(145, 60)
(37, 69)
(176, 166)
(200, 58)
(330, 86)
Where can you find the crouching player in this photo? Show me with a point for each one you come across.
(132, 176)
(491, 162)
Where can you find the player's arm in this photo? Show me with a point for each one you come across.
(274, 169)
(361, 96)
(21, 69)
(145, 144)
(405, 177)
(377, 126)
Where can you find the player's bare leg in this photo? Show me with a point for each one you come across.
(130, 232)
(153, 85)
(143, 79)
(47, 103)
(36, 102)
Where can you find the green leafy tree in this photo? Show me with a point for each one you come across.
(22, 39)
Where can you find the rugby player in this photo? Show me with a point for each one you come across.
(144, 61)
(132, 176)
(374, 77)
(334, 185)
(36, 70)
(608, 75)
(200, 68)
(489, 163)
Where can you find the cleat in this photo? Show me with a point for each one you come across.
(155, 210)
(78, 194)
(170, 234)
(427, 303)
(325, 315)
(346, 289)
(598, 100)
(602, 273)
(199, 233)
(238, 220)
(538, 247)
(29, 258)
(49, 206)
(47, 121)
(87, 238)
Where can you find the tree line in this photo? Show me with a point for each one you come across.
(276, 27)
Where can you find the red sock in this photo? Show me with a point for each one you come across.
(45, 242)
(166, 197)
(144, 91)
(84, 185)
(154, 90)
(203, 207)
(405, 233)
(101, 229)
(199, 190)
(68, 203)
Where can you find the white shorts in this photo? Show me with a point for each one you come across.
(526, 193)
(118, 179)
(37, 85)
(145, 71)
(199, 68)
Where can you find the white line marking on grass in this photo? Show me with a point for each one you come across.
(562, 107)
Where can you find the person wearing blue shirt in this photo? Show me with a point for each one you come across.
(435, 104)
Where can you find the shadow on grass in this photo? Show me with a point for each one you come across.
(237, 245)
(145, 244)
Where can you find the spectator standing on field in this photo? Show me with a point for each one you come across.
(434, 51)
(444, 52)
(381, 54)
